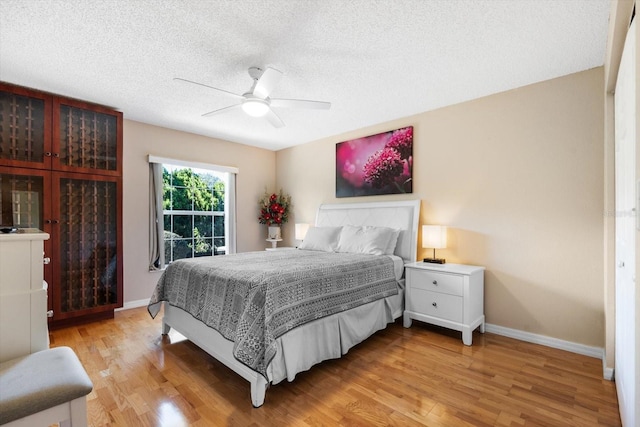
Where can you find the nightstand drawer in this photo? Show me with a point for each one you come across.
(436, 282)
(436, 304)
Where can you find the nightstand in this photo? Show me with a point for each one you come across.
(281, 248)
(447, 295)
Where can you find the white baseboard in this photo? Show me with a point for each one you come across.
(573, 347)
(134, 304)
(585, 350)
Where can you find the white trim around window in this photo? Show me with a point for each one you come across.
(193, 165)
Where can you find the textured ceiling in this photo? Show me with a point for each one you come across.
(374, 60)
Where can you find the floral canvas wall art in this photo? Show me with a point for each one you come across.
(376, 164)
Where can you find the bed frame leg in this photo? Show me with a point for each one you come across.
(165, 327)
(258, 391)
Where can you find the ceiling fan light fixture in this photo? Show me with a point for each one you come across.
(255, 107)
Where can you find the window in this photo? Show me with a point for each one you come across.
(192, 210)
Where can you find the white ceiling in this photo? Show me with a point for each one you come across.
(374, 60)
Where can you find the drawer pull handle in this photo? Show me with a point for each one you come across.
(46, 260)
(435, 304)
(435, 282)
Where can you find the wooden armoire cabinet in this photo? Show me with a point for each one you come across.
(61, 172)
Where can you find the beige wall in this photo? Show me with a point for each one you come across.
(256, 171)
(518, 178)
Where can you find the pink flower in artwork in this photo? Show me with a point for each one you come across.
(402, 141)
(351, 156)
(383, 167)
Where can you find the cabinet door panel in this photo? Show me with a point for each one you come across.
(86, 138)
(23, 194)
(25, 128)
(88, 274)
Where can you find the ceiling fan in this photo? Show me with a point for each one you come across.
(257, 103)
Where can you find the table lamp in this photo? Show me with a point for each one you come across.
(434, 237)
(301, 231)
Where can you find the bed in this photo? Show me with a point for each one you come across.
(344, 306)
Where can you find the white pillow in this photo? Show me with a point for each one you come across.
(321, 239)
(366, 240)
(393, 241)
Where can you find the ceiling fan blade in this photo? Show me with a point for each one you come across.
(210, 87)
(274, 119)
(220, 110)
(267, 82)
(300, 103)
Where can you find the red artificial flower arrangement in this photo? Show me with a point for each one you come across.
(274, 208)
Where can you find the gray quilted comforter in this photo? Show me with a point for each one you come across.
(255, 297)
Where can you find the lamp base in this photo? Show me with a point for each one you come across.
(434, 260)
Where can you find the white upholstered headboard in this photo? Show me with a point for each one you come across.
(402, 215)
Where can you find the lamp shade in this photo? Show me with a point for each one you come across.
(301, 231)
(434, 236)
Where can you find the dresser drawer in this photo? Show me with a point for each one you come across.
(436, 304)
(437, 282)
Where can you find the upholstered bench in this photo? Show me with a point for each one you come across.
(44, 388)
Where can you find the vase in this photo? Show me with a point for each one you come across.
(274, 232)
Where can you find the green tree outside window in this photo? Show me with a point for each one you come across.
(193, 203)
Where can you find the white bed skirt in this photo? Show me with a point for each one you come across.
(300, 348)
(331, 337)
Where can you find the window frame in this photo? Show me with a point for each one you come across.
(228, 214)
(224, 176)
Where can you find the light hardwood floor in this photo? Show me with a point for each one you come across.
(414, 377)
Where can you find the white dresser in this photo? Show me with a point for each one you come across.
(23, 294)
(448, 295)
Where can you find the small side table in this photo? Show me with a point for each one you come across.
(447, 295)
(282, 248)
(274, 242)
